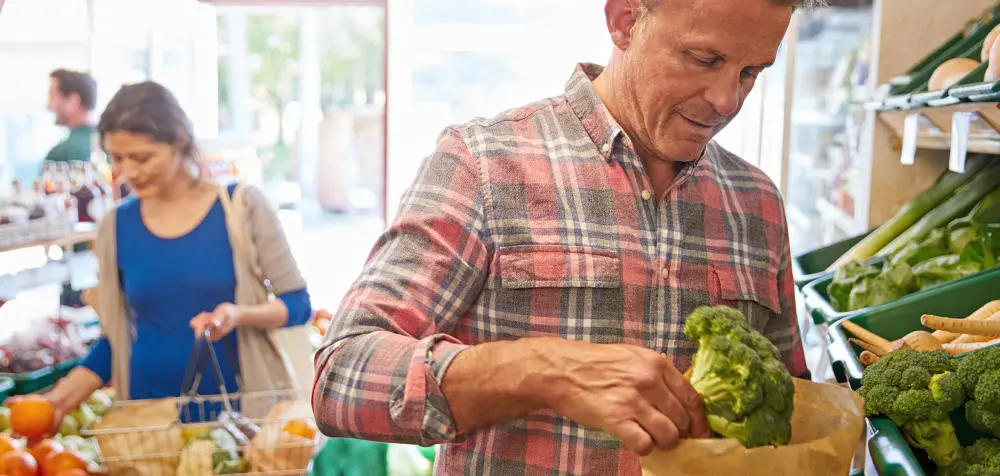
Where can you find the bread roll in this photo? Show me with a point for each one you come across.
(951, 72)
(988, 43)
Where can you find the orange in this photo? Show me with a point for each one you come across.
(304, 428)
(42, 450)
(6, 444)
(63, 461)
(18, 463)
(71, 472)
(32, 416)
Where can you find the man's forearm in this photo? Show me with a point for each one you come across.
(490, 384)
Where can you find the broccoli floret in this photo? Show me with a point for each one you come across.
(970, 367)
(946, 388)
(979, 459)
(890, 388)
(979, 373)
(748, 392)
(915, 377)
(982, 419)
(987, 391)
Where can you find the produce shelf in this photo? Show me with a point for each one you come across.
(977, 125)
(32, 381)
(6, 388)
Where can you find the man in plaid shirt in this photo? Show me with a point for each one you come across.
(526, 307)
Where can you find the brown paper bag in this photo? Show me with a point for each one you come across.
(141, 439)
(826, 425)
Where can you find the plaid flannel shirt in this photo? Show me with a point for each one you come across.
(541, 222)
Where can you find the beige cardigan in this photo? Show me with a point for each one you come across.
(265, 255)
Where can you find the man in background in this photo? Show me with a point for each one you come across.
(72, 98)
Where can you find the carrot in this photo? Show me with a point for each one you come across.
(983, 312)
(956, 349)
(868, 358)
(963, 326)
(969, 338)
(867, 336)
(867, 347)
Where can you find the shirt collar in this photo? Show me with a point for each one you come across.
(597, 120)
(590, 110)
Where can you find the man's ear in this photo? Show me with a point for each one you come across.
(621, 16)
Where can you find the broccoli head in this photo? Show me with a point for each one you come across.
(917, 391)
(979, 373)
(747, 390)
(979, 459)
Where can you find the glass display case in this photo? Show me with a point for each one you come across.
(827, 77)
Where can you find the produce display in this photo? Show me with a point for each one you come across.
(748, 392)
(944, 234)
(51, 342)
(25, 450)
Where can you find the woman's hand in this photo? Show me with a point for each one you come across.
(219, 322)
(59, 413)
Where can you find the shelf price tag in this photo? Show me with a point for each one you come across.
(911, 130)
(961, 125)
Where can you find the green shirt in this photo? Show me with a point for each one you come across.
(76, 147)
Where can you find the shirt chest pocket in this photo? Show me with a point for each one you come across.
(754, 293)
(555, 290)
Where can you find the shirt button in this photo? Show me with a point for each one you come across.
(645, 194)
(664, 273)
(606, 148)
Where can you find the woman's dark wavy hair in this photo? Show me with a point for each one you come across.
(151, 109)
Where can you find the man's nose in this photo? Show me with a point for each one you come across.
(724, 94)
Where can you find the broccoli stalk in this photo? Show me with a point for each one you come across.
(936, 437)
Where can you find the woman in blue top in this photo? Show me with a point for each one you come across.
(175, 260)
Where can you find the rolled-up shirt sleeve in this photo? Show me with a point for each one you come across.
(379, 370)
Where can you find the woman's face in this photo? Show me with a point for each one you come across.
(149, 167)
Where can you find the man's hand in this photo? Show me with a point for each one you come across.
(632, 392)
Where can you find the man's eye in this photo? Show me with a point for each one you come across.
(750, 74)
(706, 61)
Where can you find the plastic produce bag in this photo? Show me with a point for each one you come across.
(826, 425)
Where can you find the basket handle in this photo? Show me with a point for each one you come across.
(203, 350)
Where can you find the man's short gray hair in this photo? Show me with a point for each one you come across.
(806, 4)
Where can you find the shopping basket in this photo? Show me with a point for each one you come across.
(196, 435)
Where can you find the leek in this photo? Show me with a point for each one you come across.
(965, 198)
(916, 208)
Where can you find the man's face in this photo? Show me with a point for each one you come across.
(62, 106)
(689, 64)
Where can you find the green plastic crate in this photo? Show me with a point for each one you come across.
(63, 368)
(6, 388)
(817, 301)
(811, 265)
(32, 381)
(896, 319)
